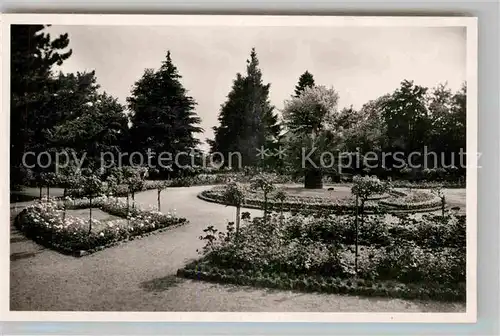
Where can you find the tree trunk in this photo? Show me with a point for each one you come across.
(265, 206)
(128, 205)
(48, 192)
(90, 221)
(41, 193)
(133, 200)
(313, 178)
(159, 207)
(64, 204)
(356, 228)
(238, 217)
(443, 205)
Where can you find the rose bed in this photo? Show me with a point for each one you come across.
(48, 223)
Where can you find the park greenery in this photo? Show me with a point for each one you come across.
(54, 111)
(377, 254)
(371, 242)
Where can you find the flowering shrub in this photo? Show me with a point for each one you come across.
(306, 253)
(44, 222)
(264, 182)
(366, 186)
(408, 262)
(431, 231)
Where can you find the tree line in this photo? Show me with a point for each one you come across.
(53, 111)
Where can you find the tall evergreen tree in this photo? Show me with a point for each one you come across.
(247, 119)
(163, 116)
(33, 54)
(305, 80)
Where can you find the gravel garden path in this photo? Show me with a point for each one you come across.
(140, 275)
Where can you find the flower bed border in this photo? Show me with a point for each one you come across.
(331, 286)
(427, 185)
(79, 252)
(384, 207)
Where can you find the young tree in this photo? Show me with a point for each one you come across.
(234, 194)
(163, 116)
(50, 180)
(134, 178)
(68, 177)
(305, 80)
(281, 196)
(247, 119)
(33, 54)
(363, 188)
(265, 183)
(92, 187)
(442, 197)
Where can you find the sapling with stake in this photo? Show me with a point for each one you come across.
(364, 187)
(234, 194)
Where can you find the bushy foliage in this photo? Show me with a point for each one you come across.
(430, 250)
(366, 186)
(234, 194)
(264, 182)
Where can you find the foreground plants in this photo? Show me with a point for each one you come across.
(410, 258)
(46, 223)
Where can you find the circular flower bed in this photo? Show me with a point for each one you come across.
(338, 200)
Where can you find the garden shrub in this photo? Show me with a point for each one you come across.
(314, 254)
(430, 231)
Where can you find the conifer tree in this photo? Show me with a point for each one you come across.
(305, 80)
(247, 119)
(163, 116)
(33, 54)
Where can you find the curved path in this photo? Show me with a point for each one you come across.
(140, 275)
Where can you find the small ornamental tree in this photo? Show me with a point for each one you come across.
(111, 185)
(114, 181)
(92, 187)
(439, 193)
(68, 177)
(280, 196)
(160, 186)
(40, 181)
(134, 178)
(264, 182)
(234, 194)
(364, 187)
(50, 179)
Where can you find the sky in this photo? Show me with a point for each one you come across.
(361, 63)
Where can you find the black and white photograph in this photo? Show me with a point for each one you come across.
(208, 165)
